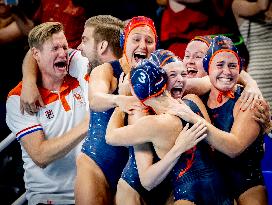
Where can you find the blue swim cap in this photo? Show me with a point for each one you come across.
(162, 57)
(205, 39)
(220, 43)
(148, 80)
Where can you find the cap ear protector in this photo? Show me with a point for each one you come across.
(122, 39)
(219, 43)
(206, 61)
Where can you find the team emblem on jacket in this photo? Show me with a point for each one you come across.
(49, 114)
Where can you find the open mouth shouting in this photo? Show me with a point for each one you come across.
(60, 65)
(192, 72)
(177, 92)
(139, 56)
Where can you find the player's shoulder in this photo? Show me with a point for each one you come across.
(159, 121)
(105, 67)
(196, 99)
(16, 91)
(197, 105)
(104, 71)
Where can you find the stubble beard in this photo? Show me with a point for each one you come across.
(93, 64)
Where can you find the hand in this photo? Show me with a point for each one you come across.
(249, 96)
(183, 111)
(129, 103)
(188, 138)
(124, 86)
(30, 99)
(262, 115)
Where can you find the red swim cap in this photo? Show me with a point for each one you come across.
(136, 22)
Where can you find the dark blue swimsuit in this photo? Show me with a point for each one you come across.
(111, 159)
(244, 171)
(202, 183)
(157, 195)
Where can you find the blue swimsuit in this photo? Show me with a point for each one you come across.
(201, 183)
(157, 195)
(243, 171)
(111, 159)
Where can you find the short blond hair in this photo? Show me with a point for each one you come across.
(42, 32)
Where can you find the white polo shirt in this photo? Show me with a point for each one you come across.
(63, 110)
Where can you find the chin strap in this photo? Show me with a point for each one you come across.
(229, 94)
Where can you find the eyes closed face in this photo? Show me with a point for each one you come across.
(177, 78)
(139, 45)
(224, 70)
(52, 58)
(194, 54)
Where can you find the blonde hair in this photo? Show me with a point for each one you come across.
(39, 34)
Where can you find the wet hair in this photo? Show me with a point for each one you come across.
(42, 32)
(108, 28)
